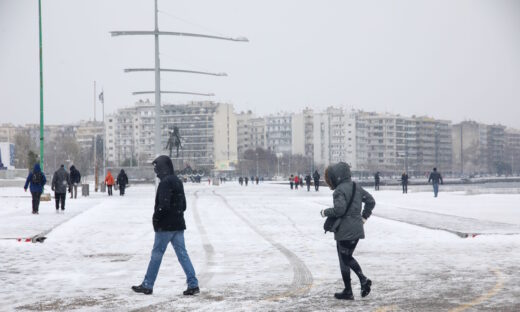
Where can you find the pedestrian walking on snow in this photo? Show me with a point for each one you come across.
(316, 177)
(348, 226)
(60, 184)
(75, 179)
(308, 182)
(377, 180)
(435, 178)
(122, 182)
(169, 226)
(109, 181)
(35, 180)
(291, 181)
(246, 180)
(301, 181)
(404, 182)
(296, 181)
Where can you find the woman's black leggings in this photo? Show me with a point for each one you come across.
(347, 262)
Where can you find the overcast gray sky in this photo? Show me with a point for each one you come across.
(450, 59)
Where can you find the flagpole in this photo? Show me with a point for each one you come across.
(104, 133)
(95, 145)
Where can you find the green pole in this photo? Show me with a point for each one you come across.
(41, 84)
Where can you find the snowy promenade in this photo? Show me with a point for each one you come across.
(262, 248)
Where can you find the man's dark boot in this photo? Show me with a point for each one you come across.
(365, 288)
(141, 289)
(191, 291)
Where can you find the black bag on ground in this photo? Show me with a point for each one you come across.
(332, 223)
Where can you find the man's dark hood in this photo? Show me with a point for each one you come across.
(163, 166)
(72, 168)
(37, 168)
(337, 174)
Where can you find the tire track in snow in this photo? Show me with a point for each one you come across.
(302, 276)
(206, 275)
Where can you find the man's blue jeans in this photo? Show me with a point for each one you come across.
(176, 238)
(435, 189)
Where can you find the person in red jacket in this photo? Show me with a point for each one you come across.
(109, 181)
(296, 181)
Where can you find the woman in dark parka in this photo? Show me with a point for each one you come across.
(350, 228)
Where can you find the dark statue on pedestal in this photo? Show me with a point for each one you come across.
(174, 141)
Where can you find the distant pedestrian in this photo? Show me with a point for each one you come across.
(169, 226)
(36, 179)
(246, 180)
(404, 182)
(241, 181)
(60, 183)
(122, 182)
(75, 179)
(435, 178)
(316, 177)
(257, 179)
(377, 180)
(301, 181)
(348, 228)
(308, 182)
(296, 181)
(109, 181)
(291, 181)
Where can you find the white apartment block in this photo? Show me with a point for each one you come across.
(250, 132)
(394, 143)
(334, 137)
(278, 133)
(208, 131)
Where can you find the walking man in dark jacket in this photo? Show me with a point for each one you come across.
(377, 180)
(75, 179)
(349, 229)
(169, 226)
(404, 182)
(60, 183)
(316, 177)
(37, 180)
(122, 181)
(435, 178)
(308, 182)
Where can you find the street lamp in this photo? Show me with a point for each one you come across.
(278, 156)
(256, 164)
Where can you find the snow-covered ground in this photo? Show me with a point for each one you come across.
(262, 248)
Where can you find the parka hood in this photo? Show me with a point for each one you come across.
(337, 174)
(37, 168)
(163, 166)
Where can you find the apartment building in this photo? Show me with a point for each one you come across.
(208, 133)
(395, 143)
(334, 137)
(479, 148)
(250, 132)
(278, 133)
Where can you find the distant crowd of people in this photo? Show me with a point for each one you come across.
(63, 182)
(435, 178)
(253, 179)
(296, 181)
